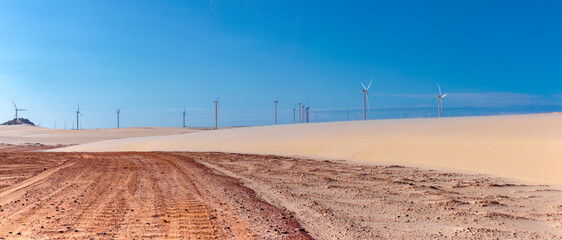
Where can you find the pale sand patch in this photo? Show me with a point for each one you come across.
(522, 147)
(27, 134)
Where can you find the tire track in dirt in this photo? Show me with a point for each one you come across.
(268, 220)
(130, 196)
(28, 182)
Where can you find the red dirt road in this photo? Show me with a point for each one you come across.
(130, 196)
(185, 195)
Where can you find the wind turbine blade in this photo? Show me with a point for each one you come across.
(363, 86)
(439, 89)
(370, 84)
(368, 104)
(14, 104)
(444, 95)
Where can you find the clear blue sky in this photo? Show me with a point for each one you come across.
(153, 57)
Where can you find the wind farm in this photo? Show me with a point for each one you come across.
(448, 162)
(243, 120)
(303, 111)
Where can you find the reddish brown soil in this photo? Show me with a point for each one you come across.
(130, 196)
(242, 196)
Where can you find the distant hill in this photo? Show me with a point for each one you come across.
(19, 121)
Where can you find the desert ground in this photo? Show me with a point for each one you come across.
(142, 195)
(130, 196)
(20, 134)
(458, 178)
(525, 148)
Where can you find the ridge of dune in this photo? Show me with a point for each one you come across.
(522, 147)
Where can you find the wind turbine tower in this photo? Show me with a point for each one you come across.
(347, 114)
(17, 109)
(300, 112)
(316, 115)
(216, 113)
(294, 114)
(78, 114)
(365, 98)
(118, 114)
(303, 114)
(184, 113)
(440, 97)
(276, 102)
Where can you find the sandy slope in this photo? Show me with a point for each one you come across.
(26, 134)
(522, 147)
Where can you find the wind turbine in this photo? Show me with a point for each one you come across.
(118, 113)
(17, 109)
(440, 97)
(316, 115)
(294, 114)
(184, 113)
(216, 113)
(276, 102)
(365, 99)
(300, 112)
(307, 110)
(303, 113)
(78, 113)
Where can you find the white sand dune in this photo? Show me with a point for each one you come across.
(18, 134)
(523, 147)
